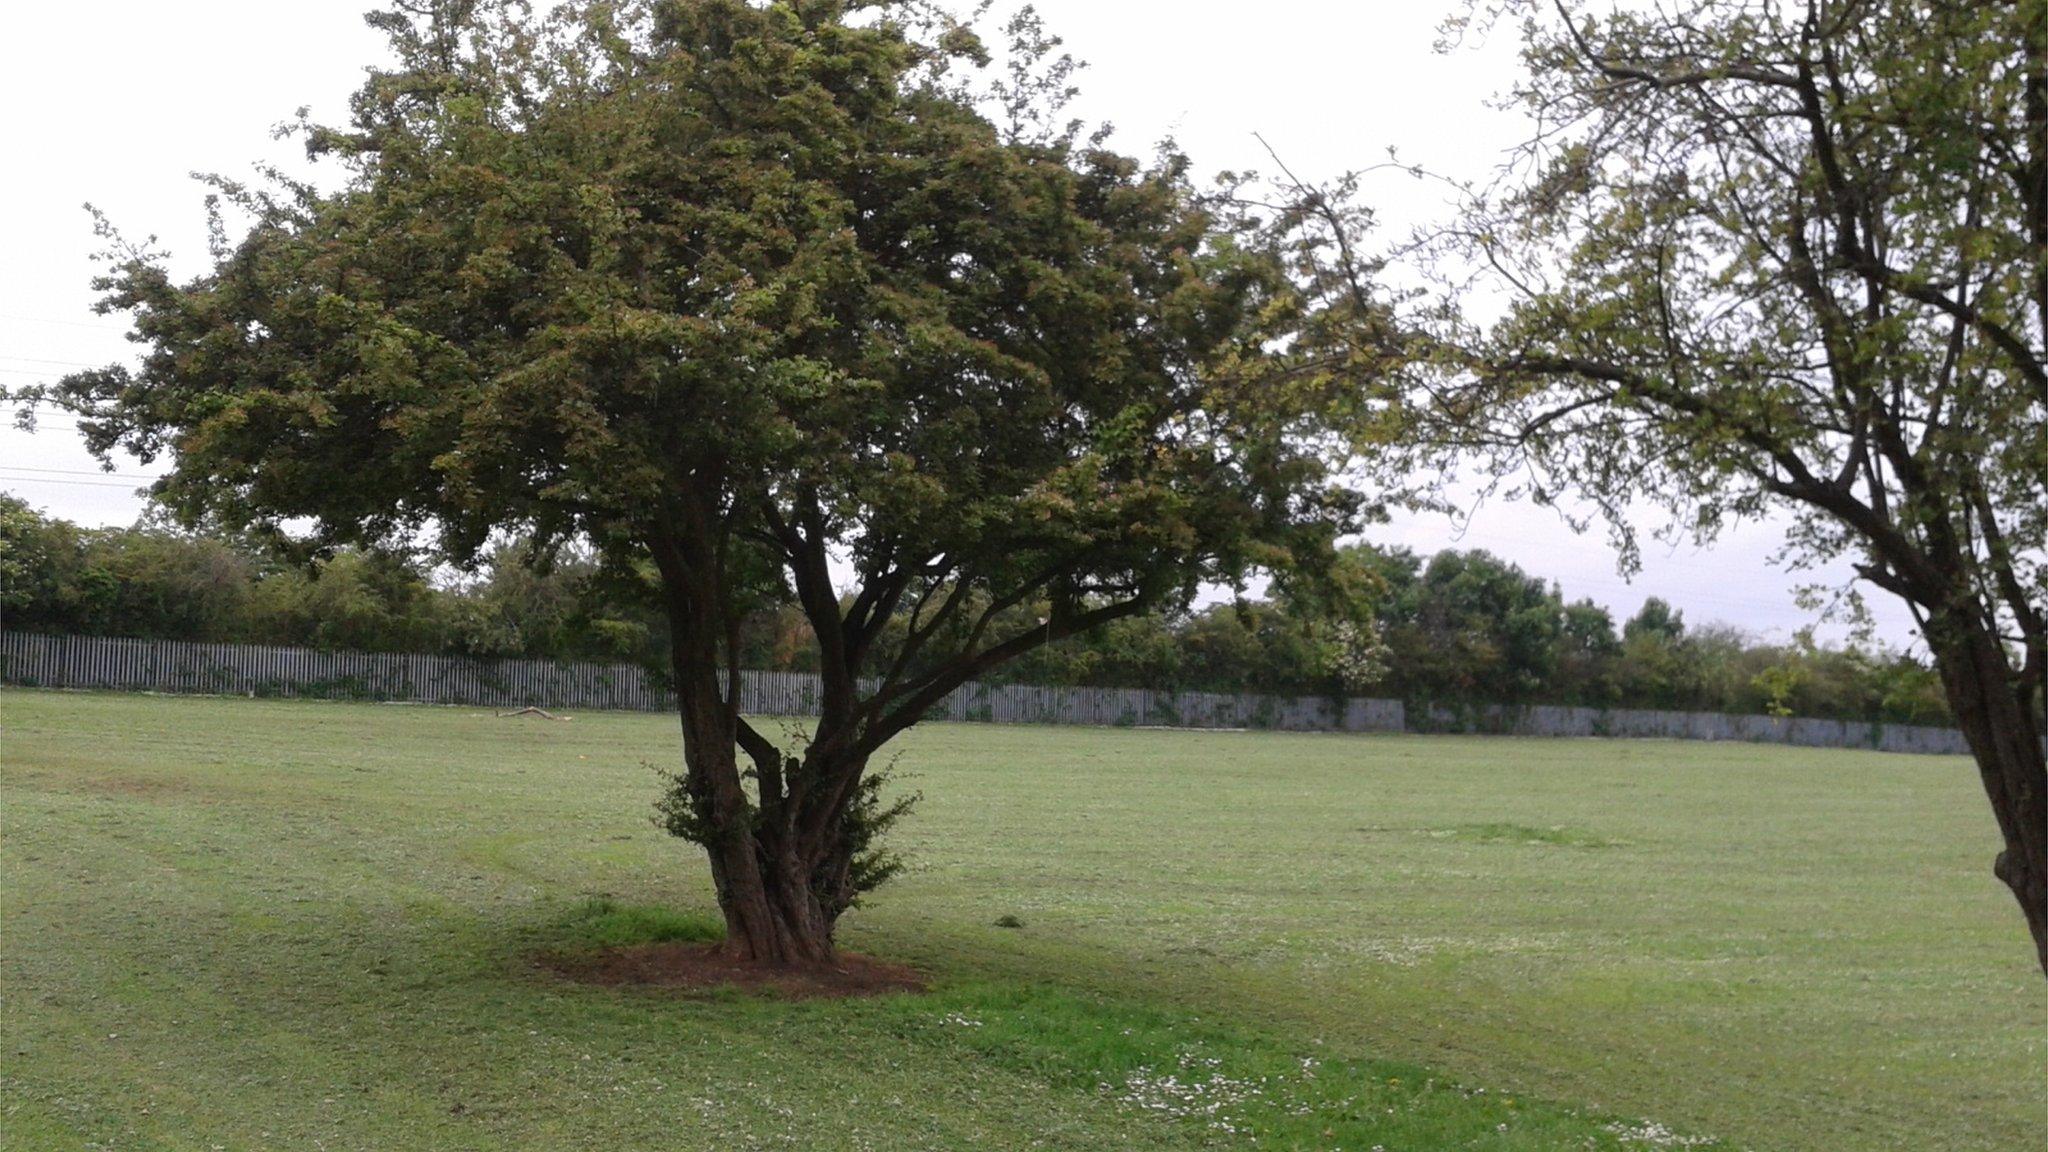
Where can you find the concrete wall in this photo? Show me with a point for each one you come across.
(303, 673)
(255, 670)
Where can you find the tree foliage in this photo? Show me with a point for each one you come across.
(1792, 258)
(158, 581)
(757, 300)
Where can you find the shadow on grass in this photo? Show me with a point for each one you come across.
(1212, 1079)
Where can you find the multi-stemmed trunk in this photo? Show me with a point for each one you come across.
(790, 853)
(763, 881)
(766, 862)
(780, 869)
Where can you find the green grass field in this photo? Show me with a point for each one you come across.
(248, 925)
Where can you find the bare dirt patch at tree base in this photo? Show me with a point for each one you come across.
(706, 968)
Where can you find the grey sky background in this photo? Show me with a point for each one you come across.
(116, 103)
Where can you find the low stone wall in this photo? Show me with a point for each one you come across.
(1548, 720)
(257, 670)
(304, 673)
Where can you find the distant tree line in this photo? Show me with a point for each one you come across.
(1459, 627)
(158, 583)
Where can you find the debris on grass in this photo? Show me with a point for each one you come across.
(1650, 1134)
(540, 712)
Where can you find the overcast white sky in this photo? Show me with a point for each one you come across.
(115, 103)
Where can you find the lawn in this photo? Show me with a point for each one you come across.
(233, 924)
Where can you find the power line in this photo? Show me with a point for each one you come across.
(48, 375)
(42, 422)
(58, 363)
(112, 328)
(39, 421)
(54, 363)
(77, 472)
(73, 483)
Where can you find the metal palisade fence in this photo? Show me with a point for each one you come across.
(98, 662)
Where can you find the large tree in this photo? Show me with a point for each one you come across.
(757, 300)
(1793, 258)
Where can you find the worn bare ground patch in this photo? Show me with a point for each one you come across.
(700, 967)
(145, 787)
(104, 783)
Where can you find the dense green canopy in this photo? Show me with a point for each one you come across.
(759, 301)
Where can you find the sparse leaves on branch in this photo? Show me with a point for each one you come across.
(1788, 258)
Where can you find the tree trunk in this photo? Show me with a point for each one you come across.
(2005, 738)
(760, 870)
(771, 916)
(761, 876)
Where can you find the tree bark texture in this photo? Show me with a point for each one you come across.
(2004, 736)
